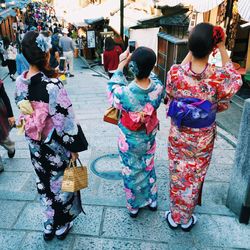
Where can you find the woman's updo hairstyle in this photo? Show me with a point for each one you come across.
(35, 55)
(142, 62)
(203, 39)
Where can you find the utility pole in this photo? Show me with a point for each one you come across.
(121, 18)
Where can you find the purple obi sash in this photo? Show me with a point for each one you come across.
(192, 112)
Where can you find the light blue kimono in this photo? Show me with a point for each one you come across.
(136, 148)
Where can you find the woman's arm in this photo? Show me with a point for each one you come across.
(117, 86)
(187, 59)
(57, 57)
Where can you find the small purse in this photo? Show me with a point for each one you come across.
(79, 144)
(75, 177)
(112, 115)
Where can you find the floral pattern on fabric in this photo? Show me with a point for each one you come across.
(48, 157)
(190, 149)
(136, 148)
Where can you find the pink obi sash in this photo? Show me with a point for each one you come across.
(39, 123)
(136, 121)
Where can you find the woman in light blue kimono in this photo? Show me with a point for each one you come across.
(138, 102)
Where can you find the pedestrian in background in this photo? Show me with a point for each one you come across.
(51, 131)
(111, 56)
(67, 45)
(7, 121)
(138, 102)
(21, 62)
(196, 91)
(10, 53)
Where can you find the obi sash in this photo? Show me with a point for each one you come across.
(192, 112)
(146, 119)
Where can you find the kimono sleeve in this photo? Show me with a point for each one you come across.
(229, 83)
(170, 82)
(62, 115)
(116, 90)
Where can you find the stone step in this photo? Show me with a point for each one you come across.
(111, 225)
(18, 180)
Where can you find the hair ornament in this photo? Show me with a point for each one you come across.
(218, 34)
(43, 42)
(133, 68)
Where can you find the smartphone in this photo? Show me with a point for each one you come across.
(131, 44)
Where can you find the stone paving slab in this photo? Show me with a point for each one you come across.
(13, 181)
(209, 231)
(18, 195)
(9, 212)
(218, 231)
(114, 244)
(90, 223)
(18, 165)
(31, 219)
(20, 153)
(34, 241)
(148, 226)
(11, 240)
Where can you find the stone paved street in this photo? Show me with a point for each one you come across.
(106, 224)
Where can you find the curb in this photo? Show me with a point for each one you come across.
(227, 136)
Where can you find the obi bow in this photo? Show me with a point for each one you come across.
(192, 112)
(147, 118)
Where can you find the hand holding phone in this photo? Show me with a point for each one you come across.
(131, 44)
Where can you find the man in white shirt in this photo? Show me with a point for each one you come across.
(67, 45)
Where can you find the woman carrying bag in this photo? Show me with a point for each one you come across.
(138, 102)
(7, 121)
(52, 133)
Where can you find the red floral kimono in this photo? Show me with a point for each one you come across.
(190, 149)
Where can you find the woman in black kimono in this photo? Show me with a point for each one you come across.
(47, 111)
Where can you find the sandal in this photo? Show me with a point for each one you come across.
(63, 231)
(153, 206)
(170, 220)
(133, 213)
(48, 234)
(187, 227)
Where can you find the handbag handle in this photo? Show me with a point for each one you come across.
(73, 163)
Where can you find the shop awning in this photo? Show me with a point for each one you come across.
(6, 12)
(198, 5)
(244, 9)
(89, 15)
(132, 18)
(175, 20)
(17, 4)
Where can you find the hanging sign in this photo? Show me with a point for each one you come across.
(91, 43)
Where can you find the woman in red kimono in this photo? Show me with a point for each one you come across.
(196, 91)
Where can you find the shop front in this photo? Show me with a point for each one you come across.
(7, 18)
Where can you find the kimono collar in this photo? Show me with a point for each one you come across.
(26, 80)
(188, 70)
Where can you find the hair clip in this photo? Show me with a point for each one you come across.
(133, 68)
(43, 42)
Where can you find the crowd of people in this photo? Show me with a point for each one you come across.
(195, 91)
(40, 18)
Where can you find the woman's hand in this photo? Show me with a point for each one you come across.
(74, 156)
(11, 121)
(124, 59)
(221, 45)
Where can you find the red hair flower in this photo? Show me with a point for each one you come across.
(218, 34)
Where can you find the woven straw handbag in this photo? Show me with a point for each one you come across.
(75, 177)
(112, 115)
